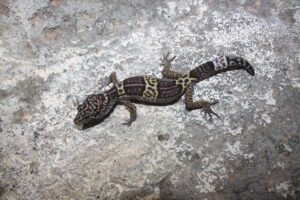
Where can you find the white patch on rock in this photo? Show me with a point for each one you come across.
(211, 173)
(287, 147)
(234, 149)
(249, 156)
(283, 189)
(269, 97)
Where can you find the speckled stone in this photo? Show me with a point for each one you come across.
(54, 53)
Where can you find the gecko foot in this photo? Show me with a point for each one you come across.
(206, 109)
(113, 78)
(166, 61)
(127, 123)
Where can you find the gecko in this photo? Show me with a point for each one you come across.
(156, 91)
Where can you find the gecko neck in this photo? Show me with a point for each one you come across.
(112, 93)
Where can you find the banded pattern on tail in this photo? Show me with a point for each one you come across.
(219, 65)
(240, 63)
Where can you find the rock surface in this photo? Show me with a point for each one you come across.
(54, 53)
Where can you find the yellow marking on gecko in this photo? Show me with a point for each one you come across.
(150, 92)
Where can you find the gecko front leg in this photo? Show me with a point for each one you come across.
(166, 72)
(113, 79)
(128, 105)
(131, 109)
(204, 105)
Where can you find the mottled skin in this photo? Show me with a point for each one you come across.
(155, 91)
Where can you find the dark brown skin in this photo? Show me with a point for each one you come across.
(155, 91)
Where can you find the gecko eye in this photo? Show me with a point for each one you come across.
(79, 108)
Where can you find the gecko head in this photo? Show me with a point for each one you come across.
(93, 110)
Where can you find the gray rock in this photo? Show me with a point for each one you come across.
(54, 53)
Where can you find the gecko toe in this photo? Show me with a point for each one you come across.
(165, 56)
(208, 111)
(165, 60)
(214, 102)
(127, 123)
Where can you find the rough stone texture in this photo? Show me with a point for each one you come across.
(54, 53)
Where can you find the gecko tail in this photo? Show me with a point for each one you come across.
(240, 63)
(219, 65)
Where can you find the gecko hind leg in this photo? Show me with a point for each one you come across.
(204, 105)
(166, 72)
(132, 111)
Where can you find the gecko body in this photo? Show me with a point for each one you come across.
(155, 91)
